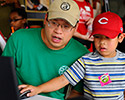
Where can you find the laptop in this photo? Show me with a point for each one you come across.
(8, 80)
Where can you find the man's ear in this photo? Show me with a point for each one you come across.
(76, 27)
(121, 37)
(45, 19)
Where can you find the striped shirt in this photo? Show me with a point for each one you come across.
(90, 67)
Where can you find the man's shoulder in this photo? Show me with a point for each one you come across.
(77, 43)
(25, 32)
(78, 47)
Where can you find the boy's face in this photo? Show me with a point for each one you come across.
(106, 46)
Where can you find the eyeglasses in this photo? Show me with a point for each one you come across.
(65, 28)
(14, 20)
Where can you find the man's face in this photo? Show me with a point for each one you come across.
(57, 33)
(106, 46)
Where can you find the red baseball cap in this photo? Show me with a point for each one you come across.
(108, 24)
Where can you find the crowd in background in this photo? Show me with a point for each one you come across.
(95, 7)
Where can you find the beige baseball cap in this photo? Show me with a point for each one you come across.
(64, 9)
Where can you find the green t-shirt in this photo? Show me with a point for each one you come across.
(36, 63)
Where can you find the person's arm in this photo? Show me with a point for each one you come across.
(89, 21)
(52, 85)
(84, 37)
(78, 35)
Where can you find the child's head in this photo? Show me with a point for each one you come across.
(107, 32)
(18, 18)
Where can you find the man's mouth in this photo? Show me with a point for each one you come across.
(56, 39)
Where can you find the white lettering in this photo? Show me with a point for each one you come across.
(104, 22)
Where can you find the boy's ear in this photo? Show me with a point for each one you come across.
(76, 27)
(121, 37)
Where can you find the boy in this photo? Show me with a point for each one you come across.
(103, 72)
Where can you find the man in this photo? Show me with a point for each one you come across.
(42, 54)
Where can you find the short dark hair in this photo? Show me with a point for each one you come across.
(21, 12)
(119, 35)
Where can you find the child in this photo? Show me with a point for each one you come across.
(103, 72)
(18, 18)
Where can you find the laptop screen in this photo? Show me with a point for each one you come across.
(8, 80)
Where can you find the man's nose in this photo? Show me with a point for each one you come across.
(59, 28)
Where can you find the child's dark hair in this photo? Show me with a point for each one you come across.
(119, 35)
(21, 12)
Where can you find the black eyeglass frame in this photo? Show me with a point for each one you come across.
(59, 24)
(14, 20)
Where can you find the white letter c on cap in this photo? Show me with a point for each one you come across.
(104, 22)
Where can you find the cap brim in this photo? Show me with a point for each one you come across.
(109, 33)
(67, 17)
